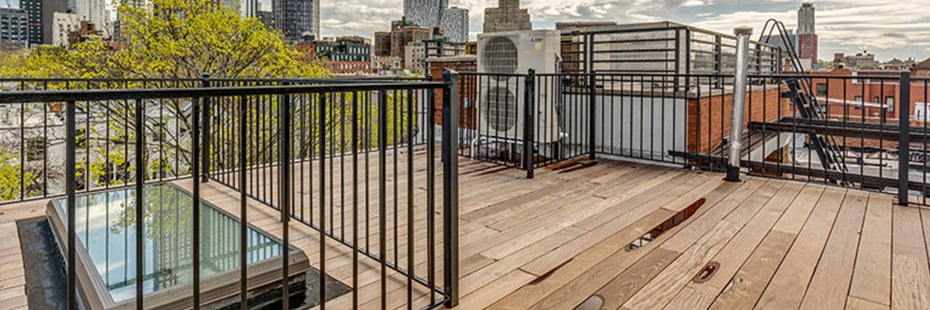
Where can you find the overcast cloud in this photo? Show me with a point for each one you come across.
(899, 28)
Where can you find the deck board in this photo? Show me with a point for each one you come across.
(910, 274)
(830, 285)
(787, 287)
(558, 239)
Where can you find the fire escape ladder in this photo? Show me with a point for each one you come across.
(802, 96)
(827, 148)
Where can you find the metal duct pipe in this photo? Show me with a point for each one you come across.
(739, 101)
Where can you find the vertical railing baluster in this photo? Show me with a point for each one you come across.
(243, 206)
(140, 181)
(284, 197)
(382, 191)
(411, 272)
(197, 137)
(356, 249)
(322, 123)
(206, 137)
(592, 114)
(72, 209)
(431, 191)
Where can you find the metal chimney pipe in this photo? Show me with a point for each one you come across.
(739, 101)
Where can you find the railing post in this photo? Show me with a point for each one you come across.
(904, 138)
(529, 123)
(205, 132)
(592, 114)
(450, 182)
(739, 102)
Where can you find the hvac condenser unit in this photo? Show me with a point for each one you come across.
(504, 55)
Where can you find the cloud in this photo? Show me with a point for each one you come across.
(885, 28)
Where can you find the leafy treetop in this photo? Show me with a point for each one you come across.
(172, 39)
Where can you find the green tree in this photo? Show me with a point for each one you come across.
(172, 39)
(10, 179)
(183, 39)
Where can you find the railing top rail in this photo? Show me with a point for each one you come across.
(15, 79)
(323, 81)
(492, 74)
(165, 93)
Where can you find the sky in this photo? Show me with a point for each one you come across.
(889, 29)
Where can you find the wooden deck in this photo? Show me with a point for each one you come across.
(555, 241)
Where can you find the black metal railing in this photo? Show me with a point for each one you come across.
(565, 116)
(843, 130)
(866, 132)
(351, 161)
(672, 50)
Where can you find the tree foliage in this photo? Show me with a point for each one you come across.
(11, 181)
(172, 39)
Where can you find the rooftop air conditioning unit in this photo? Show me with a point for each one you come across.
(507, 56)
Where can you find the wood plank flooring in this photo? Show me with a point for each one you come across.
(557, 240)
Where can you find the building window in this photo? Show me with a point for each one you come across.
(858, 100)
(821, 90)
(889, 103)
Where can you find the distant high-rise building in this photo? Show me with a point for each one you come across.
(507, 16)
(807, 33)
(14, 30)
(295, 18)
(423, 13)
(455, 24)
(41, 17)
(95, 11)
(437, 13)
(802, 42)
(806, 20)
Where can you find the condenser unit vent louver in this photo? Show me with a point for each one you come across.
(501, 56)
(500, 109)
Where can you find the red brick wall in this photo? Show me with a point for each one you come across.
(709, 118)
(842, 93)
(467, 90)
(807, 47)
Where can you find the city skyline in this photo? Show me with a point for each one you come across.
(888, 30)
